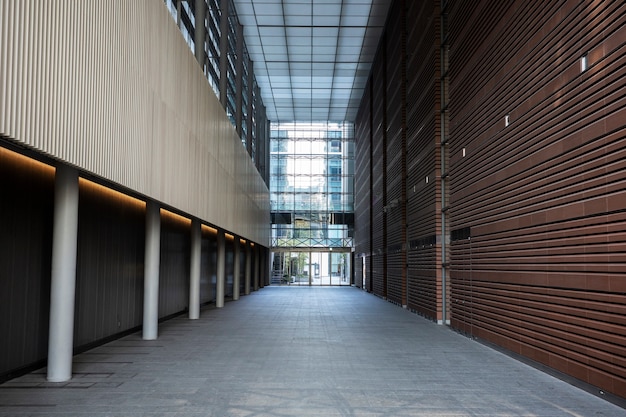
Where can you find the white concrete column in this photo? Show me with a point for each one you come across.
(257, 253)
(236, 268)
(221, 269)
(194, 269)
(151, 272)
(248, 272)
(63, 280)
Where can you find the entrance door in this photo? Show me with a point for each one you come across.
(319, 268)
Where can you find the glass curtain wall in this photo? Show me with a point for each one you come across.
(312, 202)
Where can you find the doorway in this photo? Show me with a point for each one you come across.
(311, 268)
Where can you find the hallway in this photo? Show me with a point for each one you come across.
(300, 352)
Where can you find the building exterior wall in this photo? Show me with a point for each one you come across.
(404, 161)
(112, 89)
(525, 146)
(538, 204)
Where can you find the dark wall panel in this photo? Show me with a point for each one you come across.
(208, 266)
(537, 182)
(242, 267)
(229, 267)
(109, 265)
(174, 264)
(27, 195)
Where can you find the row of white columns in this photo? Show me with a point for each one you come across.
(63, 280)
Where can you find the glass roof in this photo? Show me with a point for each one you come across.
(312, 57)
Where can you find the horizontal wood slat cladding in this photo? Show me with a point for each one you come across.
(537, 205)
(422, 158)
(379, 180)
(363, 189)
(395, 167)
(404, 100)
(113, 89)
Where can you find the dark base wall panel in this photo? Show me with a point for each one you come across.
(230, 267)
(27, 202)
(174, 264)
(242, 267)
(109, 270)
(208, 266)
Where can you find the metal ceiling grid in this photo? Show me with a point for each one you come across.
(312, 57)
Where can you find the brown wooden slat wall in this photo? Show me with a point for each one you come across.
(422, 154)
(537, 207)
(395, 168)
(404, 96)
(362, 189)
(379, 186)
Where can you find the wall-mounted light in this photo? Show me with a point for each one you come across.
(583, 63)
(507, 120)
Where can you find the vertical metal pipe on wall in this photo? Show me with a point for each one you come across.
(443, 158)
(221, 269)
(63, 281)
(151, 271)
(194, 269)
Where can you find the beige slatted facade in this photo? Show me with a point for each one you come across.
(113, 89)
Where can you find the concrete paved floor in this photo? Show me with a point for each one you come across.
(300, 352)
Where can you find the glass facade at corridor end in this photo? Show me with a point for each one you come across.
(312, 185)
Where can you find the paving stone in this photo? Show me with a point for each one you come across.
(289, 351)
